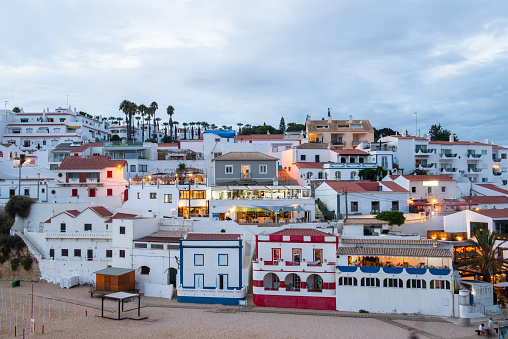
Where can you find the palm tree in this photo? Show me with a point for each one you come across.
(125, 107)
(486, 259)
(143, 110)
(199, 123)
(157, 121)
(165, 128)
(153, 107)
(170, 110)
(192, 129)
(185, 130)
(213, 126)
(133, 109)
(224, 127)
(239, 127)
(138, 118)
(176, 123)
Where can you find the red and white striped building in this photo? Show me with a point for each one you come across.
(295, 268)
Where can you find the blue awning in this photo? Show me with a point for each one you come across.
(222, 133)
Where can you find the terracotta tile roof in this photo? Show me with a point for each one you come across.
(350, 152)
(394, 187)
(121, 216)
(389, 241)
(496, 199)
(312, 145)
(396, 252)
(493, 188)
(212, 236)
(285, 178)
(94, 162)
(302, 231)
(333, 126)
(499, 147)
(458, 143)
(168, 144)
(440, 177)
(87, 146)
(407, 137)
(164, 236)
(310, 164)
(101, 211)
(74, 213)
(494, 214)
(245, 156)
(363, 186)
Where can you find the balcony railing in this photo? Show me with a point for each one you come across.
(496, 159)
(428, 165)
(448, 170)
(449, 155)
(79, 235)
(424, 151)
(473, 155)
(497, 173)
(335, 143)
(476, 170)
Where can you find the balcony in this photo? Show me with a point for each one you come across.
(448, 170)
(497, 173)
(91, 180)
(420, 151)
(448, 155)
(474, 156)
(73, 181)
(496, 159)
(337, 143)
(293, 266)
(474, 170)
(428, 165)
(356, 142)
(78, 235)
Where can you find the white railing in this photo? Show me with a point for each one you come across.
(91, 180)
(33, 250)
(195, 292)
(73, 180)
(79, 235)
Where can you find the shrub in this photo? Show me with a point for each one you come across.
(363, 311)
(19, 205)
(15, 264)
(6, 223)
(27, 262)
(393, 217)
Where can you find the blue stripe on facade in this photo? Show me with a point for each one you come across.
(208, 300)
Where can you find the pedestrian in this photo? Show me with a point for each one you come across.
(412, 334)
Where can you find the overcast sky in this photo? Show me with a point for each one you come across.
(226, 62)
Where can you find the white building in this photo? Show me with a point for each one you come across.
(214, 268)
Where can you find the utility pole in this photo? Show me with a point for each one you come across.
(345, 193)
(470, 193)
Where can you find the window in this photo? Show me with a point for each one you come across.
(477, 226)
(157, 246)
(194, 194)
(91, 175)
(318, 255)
(109, 253)
(413, 189)
(153, 195)
(52, 253)
(353, 175)
(302, 157)
(229, 169)
(395, 205)
(503, 155)
(145, 270)
(245, 171)
(73, 175)
(263, 169)
(275, 254)
(320, 175)
(109, 192)
(297, 254)
(370, 282)
(139, 195)
(142, 168)
(91, 193)
(109, 174)
(223, 259)
(348, 281)
(389, 282)
(217, 154)
(443, 189)
(133, 168)
(63, 227)
(416, 283)
(27, 192)
(316, 158)
(168, 198)
(77, 252)
(140, 245)
(337, 175)
(88, 227)
(65, 252)
(122, 229)
(74, 192)
(375, 207)
(484, 151)
(275, 149)
(354, 206)
(440, 284)
(199, 259)
(122, 253)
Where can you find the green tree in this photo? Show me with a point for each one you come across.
(142, 110)
(393, 217)
(19, 205)
(16, 110)
(372, 174)
(294, 127)
(115, 137)
(383, 132)
(282, 125)
(438, 133)
(486, 259)
(170, 111)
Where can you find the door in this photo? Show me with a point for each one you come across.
(245, 171)
(223, 281)
(89, 255)
(198, 281)
(172, 276)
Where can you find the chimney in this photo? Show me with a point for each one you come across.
(329, 116)
(452, 139)
(350, 119)
(307, 119)
(403, 133)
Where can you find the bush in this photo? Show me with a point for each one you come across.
(116, 137)
(393, 217)
(19, 205)
(6, 223)
(152, 140)
(26, 262)
(363, 311)
(15, 264)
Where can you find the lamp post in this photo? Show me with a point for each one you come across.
(416, 130)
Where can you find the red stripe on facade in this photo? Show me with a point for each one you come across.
(289, 301)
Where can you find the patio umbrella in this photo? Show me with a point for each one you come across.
(293, 208)
(420, 203)
(503, 284)
(464, 203)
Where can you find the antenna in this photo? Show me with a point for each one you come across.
(67, 101)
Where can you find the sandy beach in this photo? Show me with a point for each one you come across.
(74, 314)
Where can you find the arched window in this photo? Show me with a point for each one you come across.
(337, 175)
(348, 281)
(416, 283)
(353, 175)
(293, 282)
(360, 160)
(145, 270)
(309, 175)
(271, 281)
(343, 160)
(439, 284)
(390, 282)
(352, 160)
(370, 282)
(314, 283)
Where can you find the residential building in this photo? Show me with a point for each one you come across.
(245, 168)
(342, 134)
(213, 268)
(295, 268)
